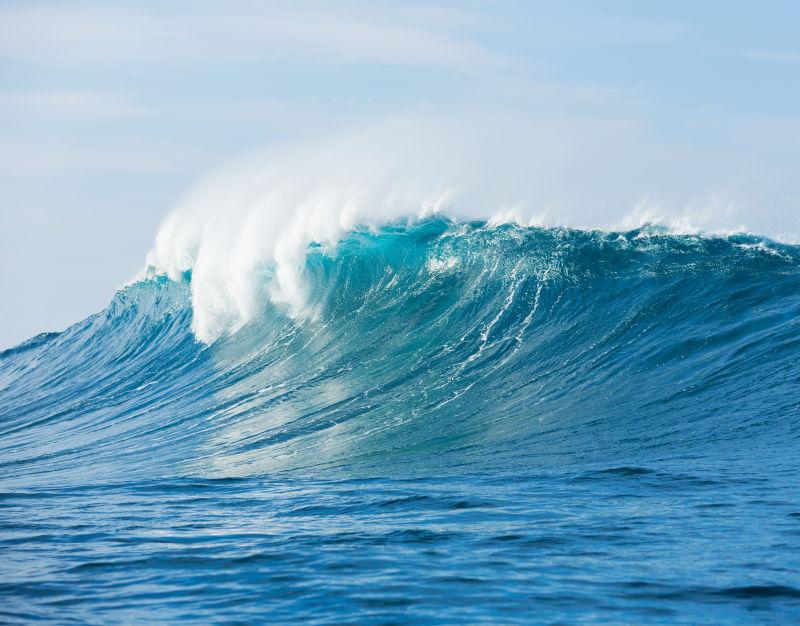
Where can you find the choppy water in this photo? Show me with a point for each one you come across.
(468, 424)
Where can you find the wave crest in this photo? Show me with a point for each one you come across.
(259, 217)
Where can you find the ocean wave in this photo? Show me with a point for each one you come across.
(432, 343)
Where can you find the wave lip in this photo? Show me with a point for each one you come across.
(261, 214)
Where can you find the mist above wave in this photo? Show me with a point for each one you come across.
(244, 231)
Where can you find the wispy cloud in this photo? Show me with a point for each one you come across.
(47, 108)
(75, 104)
(33, 159)
(102, 35)
(786, 57)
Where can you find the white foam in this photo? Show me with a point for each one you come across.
(245, 230)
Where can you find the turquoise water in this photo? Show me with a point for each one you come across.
(472, 424)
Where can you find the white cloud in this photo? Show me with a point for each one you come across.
(58, 107)
(34, 159)
(104, 35)
(784, 57)
(67, 104)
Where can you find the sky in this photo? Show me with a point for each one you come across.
(109, 112)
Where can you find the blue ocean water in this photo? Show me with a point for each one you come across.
(477, 424)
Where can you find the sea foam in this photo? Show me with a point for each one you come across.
(244, 231)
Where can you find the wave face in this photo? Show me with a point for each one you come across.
(467, 422)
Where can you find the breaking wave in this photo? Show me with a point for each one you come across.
(432, 344)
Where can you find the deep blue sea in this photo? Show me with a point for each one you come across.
(477, 424)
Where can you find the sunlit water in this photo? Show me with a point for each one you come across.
(468, 424)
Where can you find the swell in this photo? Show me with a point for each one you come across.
(437, 346)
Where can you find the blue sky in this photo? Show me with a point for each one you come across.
(109, 110)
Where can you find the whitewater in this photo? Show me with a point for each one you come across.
(262, 212)
(397, 378)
